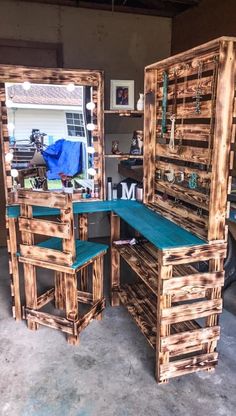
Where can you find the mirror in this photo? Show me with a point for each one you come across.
(50, 133)
(54, 132)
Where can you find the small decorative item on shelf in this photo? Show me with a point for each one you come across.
(137, 143)
(114, 192)
(179, 176)
(139, 192)
(115, 148)
(169, 175)
(158, 174)
(96, 192)
(39, 183)
(140, 102)
(122, 95)
(109, 188)
(128, 193)
(67, 183)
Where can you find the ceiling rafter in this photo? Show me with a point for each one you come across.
(164, 8)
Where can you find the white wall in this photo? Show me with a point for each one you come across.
(51, 122)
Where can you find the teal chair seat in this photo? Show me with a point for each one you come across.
(85, 250)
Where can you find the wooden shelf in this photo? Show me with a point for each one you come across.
(125, 113)
(124, 156)
(135, 173)
(143, 260)
(141, 308)
(141, 304)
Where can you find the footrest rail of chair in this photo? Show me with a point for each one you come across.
(63, 324)
(45, 298)
(97, 308)
(52, 321)
(85, 297)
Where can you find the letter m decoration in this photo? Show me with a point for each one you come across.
(128, 193)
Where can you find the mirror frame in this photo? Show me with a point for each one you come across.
(58, 76)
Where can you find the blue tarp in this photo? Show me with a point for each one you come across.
(65, 156)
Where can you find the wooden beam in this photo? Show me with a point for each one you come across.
(164, 11)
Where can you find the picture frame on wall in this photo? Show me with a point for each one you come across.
(122, 94)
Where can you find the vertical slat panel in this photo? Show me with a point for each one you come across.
(222, 139)
(163, 330)
(83, 235)
(115, 260)
(149, 135)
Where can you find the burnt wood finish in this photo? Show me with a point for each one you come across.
(202, 140)
(58, 76)
(173, 294)
(170, 299)
(115, 259)
(98, 282)
(83, 235)
(64, 293)
(13, 268)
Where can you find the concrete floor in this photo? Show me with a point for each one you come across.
(111, 372)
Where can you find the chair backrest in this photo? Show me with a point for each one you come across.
(64, 254)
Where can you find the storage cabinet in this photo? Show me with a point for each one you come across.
(189, 129)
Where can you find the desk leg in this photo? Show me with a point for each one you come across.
(83, 235)
(14, 268)
(71, 304)
(163, 330)
(115, 260)
(98, 282)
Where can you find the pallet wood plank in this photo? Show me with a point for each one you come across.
(189, 341)
(195, 132)
(196, 253)
(115, 259)
(187, 153)
(189, 89)
(43, 199)
(45, 298)
(184, 194)
(49, 320)
(184, 216)
(95, 311)
(45, 227)
(149, 135)
(191, 311)
(222, 140)
(46, 254)
(189, 365)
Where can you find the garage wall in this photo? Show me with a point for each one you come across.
(121, 44)
(118, 43)
(210, 20)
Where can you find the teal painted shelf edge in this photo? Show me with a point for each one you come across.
(160, 231)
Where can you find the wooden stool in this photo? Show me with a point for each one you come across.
(66, 256)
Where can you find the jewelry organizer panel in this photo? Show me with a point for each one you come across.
(189, 107)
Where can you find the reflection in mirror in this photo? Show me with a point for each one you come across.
(51, 136)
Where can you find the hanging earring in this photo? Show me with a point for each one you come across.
(180, 177)
(172, 133)
(158, 174)
(198, 90)
(192, 183)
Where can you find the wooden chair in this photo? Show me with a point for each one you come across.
(63, 254)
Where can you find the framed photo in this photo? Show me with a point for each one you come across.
(122, 94)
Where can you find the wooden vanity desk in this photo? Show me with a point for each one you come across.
(189, 131)
(165, 267)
